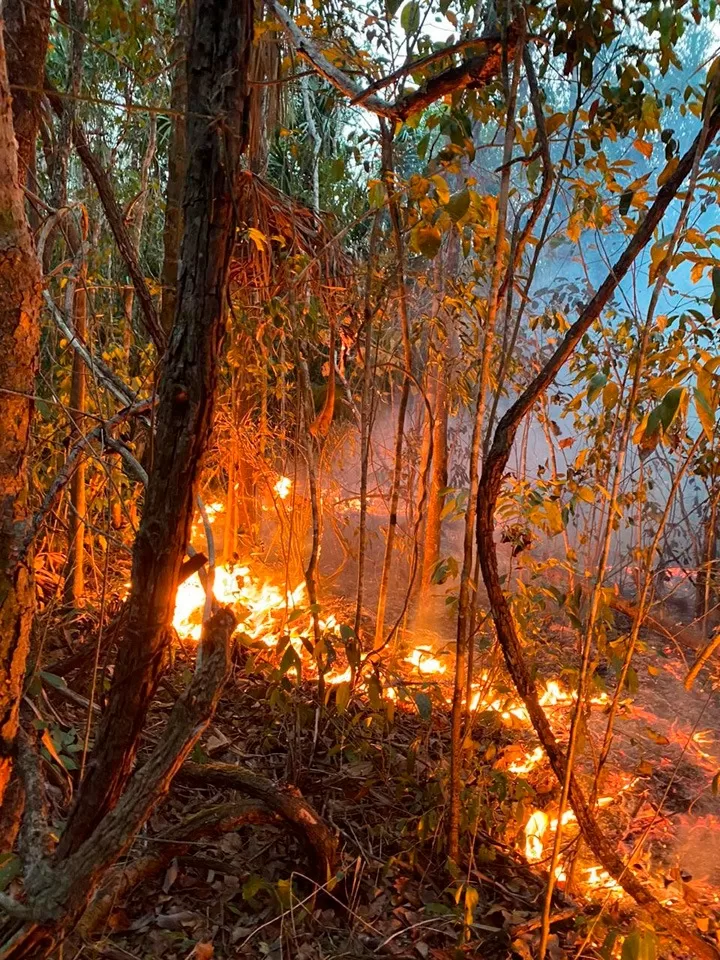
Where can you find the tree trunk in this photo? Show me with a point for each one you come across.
(438, 479)
(27, 23)
(217, 73)
(75, 568)
(396, 221)
(20, 297)
(172, 233)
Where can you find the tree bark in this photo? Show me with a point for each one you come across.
(217, 72)
(20, 298)
(172, 233)
(27, 23)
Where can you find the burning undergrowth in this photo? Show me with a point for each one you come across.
(376, 764)
(373, 761)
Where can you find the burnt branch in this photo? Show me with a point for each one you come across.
(282, 799)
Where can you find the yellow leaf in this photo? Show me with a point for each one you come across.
(443, 190)
(643, 147)
(696, 273)
(670, 168)
(258, 238)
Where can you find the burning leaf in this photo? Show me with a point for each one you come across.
(657, 737)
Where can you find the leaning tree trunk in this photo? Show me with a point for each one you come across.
(489, 489)
(20, 297)
(217, 71)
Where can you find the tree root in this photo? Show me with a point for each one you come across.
(282, 799)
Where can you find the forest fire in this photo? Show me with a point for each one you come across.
(283, 487)
(262, 605)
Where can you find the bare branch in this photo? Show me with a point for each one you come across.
(477, 71)
(98, 367)
(82, 446)
(115, 219)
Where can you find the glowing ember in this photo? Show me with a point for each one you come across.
(422, 658)
(597, 877)
(282, 487)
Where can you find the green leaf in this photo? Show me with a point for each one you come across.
(596, 385)
(337, 169)
(424, 705)
(640, 945)
(53, 680)
(376, 194)
(289, 659)
(410, 17)
(716, 281)
(458, 204)
(670, 406)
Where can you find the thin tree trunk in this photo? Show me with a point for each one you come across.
(74, 587)
(20, 298)
(217, 71)
(438, 477)
(172, 232)
(467, 598)
(365, 426)
(395, 218)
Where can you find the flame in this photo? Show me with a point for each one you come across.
(343, 677)
(282, 487)
(263, 604)
(421, 657)
(529, 762)
(535, 829)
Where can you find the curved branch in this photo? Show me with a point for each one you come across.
(283, 799)
(477, 71)
(488, 493)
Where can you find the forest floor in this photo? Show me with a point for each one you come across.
(377, 775)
